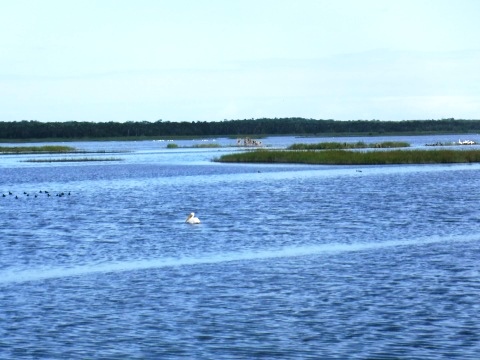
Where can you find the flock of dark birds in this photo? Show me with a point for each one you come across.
(46, 193)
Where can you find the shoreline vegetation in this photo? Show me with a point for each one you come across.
(348, 157)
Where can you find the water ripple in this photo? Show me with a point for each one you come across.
(18, 276)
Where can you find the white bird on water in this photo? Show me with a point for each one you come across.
(191, 219)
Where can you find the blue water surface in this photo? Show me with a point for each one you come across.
(289, 262)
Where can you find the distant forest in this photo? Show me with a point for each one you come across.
(24, 130)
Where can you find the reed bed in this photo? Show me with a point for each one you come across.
(48, 149)
(72, 160)
(195, 146)
(345, 145)
(344, 157)
(207, 146)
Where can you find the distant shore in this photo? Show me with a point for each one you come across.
(233, 137)
(34, 130)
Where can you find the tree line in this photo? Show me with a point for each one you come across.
(33, 129)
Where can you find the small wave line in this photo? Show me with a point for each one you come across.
(39, 274)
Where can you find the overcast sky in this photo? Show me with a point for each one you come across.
(210, 60)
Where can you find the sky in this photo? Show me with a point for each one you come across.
(211, 60)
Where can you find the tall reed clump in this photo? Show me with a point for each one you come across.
(345, 145)
(343, 157)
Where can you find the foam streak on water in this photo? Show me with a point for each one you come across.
(39, 274)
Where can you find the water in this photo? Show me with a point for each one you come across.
(290, 261)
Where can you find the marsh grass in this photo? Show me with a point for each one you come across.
(51, 149)
(196, 146)
(71, 160)
(345, 145)
(206, 146)
(48, 149)
(344, 157)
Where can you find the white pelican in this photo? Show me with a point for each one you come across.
(191, 219)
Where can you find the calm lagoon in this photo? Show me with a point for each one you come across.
(290, 261)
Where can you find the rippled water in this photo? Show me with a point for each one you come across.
(289, 262)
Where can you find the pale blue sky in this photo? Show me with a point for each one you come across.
(209, 60)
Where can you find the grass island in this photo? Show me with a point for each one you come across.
(336, 154)
(62, 160)
(47, 149)
(54, 149)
